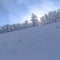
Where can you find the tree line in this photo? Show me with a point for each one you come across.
(51, 17)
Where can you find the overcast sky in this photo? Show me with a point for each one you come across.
(17, 11)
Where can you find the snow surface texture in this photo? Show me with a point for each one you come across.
(38, 43)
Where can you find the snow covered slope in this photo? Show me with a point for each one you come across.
(38, 43)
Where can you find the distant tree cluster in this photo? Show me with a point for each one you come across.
(51, 17)
(15, 27)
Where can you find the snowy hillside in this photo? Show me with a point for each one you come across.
(38, 43)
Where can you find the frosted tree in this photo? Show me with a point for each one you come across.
(14, 27)
(42, 20)
(18, 26)
(26, 24)
(5, 28)
(1, 30)
(58, 15)
(34, 20)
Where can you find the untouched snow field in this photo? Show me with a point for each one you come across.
(36, 43)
